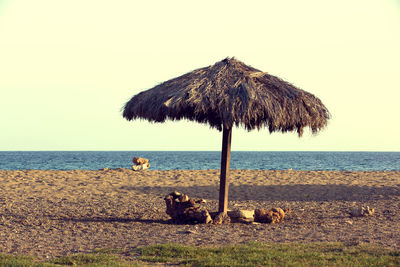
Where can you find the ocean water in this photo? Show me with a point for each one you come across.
(200, 160)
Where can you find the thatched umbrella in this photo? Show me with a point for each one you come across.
(230, 93)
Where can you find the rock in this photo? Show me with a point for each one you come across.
(197, 214)
(141, 167)
(183, 198)
(175, 194)
(362, 212)
(139, 161)
(140, 164)
(274, 215)
(183, 209)
(241, 215)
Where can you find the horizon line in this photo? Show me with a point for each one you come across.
(396, 151)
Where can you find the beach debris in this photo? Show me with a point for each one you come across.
(183, 209)
(274, 215)
(241, 215)
(362, 212)
(140, 164)
(349, 222)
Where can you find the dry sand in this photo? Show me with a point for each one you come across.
(54, 213)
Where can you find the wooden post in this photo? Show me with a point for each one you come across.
(225, 162)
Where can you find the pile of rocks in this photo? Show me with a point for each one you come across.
(140, 164)
(183, 209)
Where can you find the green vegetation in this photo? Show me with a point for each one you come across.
(252, 254)
(259, 254)
(93, 260)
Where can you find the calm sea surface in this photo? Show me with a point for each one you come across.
(200, 160)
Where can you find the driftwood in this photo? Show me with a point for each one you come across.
(183, 209)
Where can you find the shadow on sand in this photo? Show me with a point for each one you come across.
(296, 192)
(109, 219)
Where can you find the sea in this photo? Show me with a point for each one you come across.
(201, 160)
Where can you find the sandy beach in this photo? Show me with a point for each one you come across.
(54, 213)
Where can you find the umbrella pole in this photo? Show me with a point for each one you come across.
(225, 162)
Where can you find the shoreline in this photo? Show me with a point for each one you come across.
(195, 160)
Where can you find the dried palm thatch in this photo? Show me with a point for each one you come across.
(230, 93)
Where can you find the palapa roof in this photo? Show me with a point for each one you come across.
(230, 93)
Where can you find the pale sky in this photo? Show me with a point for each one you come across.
(68, 67)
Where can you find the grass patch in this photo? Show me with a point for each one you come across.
(261, 254)
(92, 260)
(86, 260)
(11, 260)
(251, 254)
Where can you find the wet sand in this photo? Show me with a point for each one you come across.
(54, 213)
